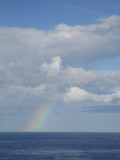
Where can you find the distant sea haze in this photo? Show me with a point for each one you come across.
(59, 146)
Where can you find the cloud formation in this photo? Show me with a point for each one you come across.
(72, 84)
(52, 68)
(37, 64)
(76, 94)
(75, 44)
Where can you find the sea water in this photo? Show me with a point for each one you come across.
(59, 146)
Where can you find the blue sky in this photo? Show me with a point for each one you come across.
(64, 50)
(45, 14)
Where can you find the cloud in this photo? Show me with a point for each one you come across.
(75, 94)
(71, 76)
(35, 64)
(74, 84)
(12, 95)
(52, 68)
(103, 108)
(38, 90)
(75, 44)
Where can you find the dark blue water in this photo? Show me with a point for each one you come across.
(59, 146)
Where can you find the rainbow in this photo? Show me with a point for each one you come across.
(41, 116)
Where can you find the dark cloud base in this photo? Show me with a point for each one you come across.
(103, 109)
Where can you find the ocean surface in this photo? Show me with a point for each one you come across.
(59, 146)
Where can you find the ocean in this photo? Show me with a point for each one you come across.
(59, 146)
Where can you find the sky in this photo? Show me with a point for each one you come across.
(59, 65)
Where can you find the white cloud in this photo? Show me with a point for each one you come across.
(75, 44)
(55, 79)
(24, 50)
(75, 94)
(52, 68)
(78, 76)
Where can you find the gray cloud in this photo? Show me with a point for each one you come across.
(103, 109)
